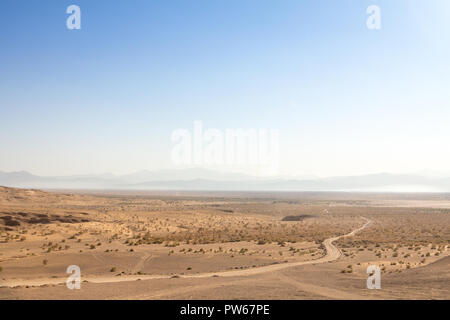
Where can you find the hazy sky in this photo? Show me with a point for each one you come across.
(345, 99)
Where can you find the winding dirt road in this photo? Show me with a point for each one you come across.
(332, 253)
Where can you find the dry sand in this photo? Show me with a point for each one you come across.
(222, 245)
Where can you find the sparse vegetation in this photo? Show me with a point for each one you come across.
(249, 235)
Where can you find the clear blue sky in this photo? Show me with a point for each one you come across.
(106, 98)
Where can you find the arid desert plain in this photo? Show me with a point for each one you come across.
(223, 245)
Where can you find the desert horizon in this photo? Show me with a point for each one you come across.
(205, 179)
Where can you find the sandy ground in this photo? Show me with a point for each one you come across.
(221, 246)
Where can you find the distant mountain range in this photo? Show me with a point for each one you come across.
(209, 180)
